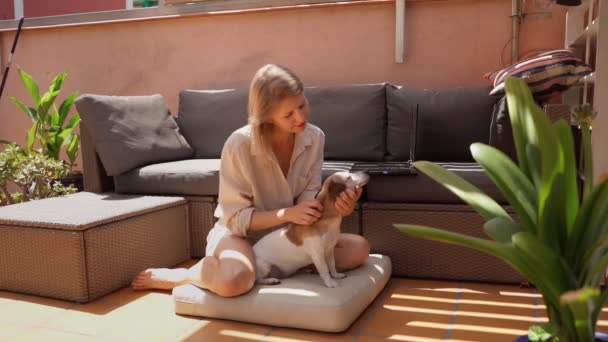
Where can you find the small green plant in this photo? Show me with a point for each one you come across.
(560, 242)
(584, 114)
(34, 174)
(50, 125)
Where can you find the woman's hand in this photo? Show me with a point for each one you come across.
(304, 213)
(347, 200)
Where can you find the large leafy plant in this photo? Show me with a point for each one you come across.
(33, 174)
(560, 242)
(50, 125)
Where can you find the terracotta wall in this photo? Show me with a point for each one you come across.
(448, 44)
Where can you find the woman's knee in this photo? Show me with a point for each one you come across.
(362, 249)
(234, 280)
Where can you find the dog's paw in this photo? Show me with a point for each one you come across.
(268, 281)
(338, 275)
(330, 283)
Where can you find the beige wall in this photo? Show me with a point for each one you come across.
(448, 44)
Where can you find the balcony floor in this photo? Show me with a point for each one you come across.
(407, 310)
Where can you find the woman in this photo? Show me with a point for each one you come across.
(266, 167)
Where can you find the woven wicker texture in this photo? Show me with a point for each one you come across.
(201, 222)
(351, 223)
(43, 262)
(414, 257)
(116, 252)
(82, 210)
(95, 178)
(558, 111)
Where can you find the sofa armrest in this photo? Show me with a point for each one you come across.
(95, 178)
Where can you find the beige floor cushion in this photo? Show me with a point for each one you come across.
(301, 301)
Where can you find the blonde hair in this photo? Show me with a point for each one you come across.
(271, 84)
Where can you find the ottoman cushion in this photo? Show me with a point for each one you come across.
(82, 246)
(301, 301)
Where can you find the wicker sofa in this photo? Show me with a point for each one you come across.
(362, 123)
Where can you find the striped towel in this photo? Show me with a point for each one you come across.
(546, 73)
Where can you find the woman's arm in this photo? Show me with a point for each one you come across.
(304, 213)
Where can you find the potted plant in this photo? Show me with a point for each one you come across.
(560, 242)
(52, 128)
(33, 174)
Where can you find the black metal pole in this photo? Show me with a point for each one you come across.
(10, 57)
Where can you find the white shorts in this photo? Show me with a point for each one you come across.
(214, 237)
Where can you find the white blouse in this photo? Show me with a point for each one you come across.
(251, 181)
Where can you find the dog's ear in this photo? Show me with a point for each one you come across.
(335, 188)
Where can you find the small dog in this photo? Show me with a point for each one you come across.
(284, 251)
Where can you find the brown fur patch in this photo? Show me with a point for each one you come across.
(335, 188)
(293, 234)
(327, 196)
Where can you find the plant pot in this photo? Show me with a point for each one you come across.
(598, 337)
(76, 179)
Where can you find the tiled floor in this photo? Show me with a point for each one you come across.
(407, 310)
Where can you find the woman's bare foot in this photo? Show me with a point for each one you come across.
(160, 278)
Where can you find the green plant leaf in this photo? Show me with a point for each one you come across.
(582, 304)
(534, 162)
(538, 132)
(552, 223)
(514, 185)
(480, 202)
(579, 244)
(72, 150)
(595, 230)
(587, 160)
(570, 173)
(518, 101)
(31, 112)
(74, 121)
(31, 86)
(54, 116)
(502, 230)
(65, 106)
(53, 151)
(536, 333)
(45, 104)
(598, 270)
(56, 83)
(542, 257)
(31, 137)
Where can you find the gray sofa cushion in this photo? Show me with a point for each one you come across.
(198, 177)
(422, 189)
(130, 131)
(208, 117)
(449, 121)
(353, 119)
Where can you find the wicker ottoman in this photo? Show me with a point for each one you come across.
(82, 246)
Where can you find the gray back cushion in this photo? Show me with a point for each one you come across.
(131, 131)
(449, 121)
(353, 119)
(208, 117)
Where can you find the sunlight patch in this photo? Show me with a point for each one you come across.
(297, 292)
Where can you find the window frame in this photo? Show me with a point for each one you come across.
(200, 7)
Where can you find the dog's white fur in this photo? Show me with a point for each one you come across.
(284, 251)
